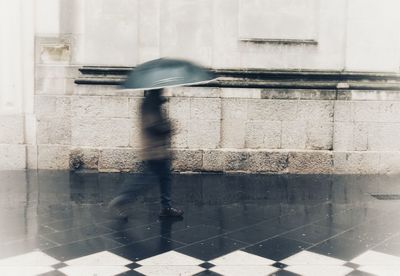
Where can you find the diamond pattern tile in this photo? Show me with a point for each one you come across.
(240, 270)
(242, 258)
(93, 270)
(310, 258)
(171, 258)
(103, 258)
(169, 270)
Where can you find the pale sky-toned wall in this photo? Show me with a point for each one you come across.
(355, 35)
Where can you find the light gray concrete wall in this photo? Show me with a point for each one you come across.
(358, 35)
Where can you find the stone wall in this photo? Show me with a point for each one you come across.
(297, 131)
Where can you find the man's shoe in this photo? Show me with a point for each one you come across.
(171, 212)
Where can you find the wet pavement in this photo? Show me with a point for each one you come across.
(56, 223)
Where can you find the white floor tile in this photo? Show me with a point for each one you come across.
(242, 258)
(381, 270)
(376, 258)
(169, 270)
(103, 258)
(310, 258)
(171, 258)
(24, 270)
(35, 258)
(240, 270)
(318, 270)
(93, 270)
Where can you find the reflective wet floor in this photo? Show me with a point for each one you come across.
(56, 223)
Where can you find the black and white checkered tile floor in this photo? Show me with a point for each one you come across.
(55, 223)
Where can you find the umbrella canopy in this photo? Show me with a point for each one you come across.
(166, 72)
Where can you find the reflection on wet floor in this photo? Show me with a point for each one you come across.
(277, 218)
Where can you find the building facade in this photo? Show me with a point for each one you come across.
(307, 86)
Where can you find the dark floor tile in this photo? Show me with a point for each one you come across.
(76, 222)
(207, 273)
(53, 273)
(256, 233)
(277, 249)
(359, 273)
(370, 233)
(147, 248)
(233, 223)
(77, 234)
(212, 248)
(348, 219)
(284, 273)
(312, 234)
(136, 234)
(24, 246)
(194, 234)
(340, 248)
(130, 273)
(81, 248)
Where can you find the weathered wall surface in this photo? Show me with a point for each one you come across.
(222, 129)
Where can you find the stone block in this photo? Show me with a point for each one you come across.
(268, 161)
(226, 160)
(180, 133)
(100, 132)
(343, 136)
(390, 162)
(343, 111)
(92, 106)
(84, 158)
(263, 134)
(234, 109)
(187, 160)
(389, 111)
(204, 134)
(233, 133)
(179, 108)
(54, 131)
(384, 136)
(315, 110)
(135, 138)
(271, 110)
(294, 135)
(214, 160)
(319, 135)
(360, 136)
(134, 108)
(11, 129)
(366, 111)
(117, 160)
(356, 162)
(52, 106)
(53, 157)
(311, 162)
(13, 157)
(236, 160)
(205, 109)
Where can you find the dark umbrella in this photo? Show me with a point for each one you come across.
(166, 72)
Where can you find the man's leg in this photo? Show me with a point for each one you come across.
(162, 168)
